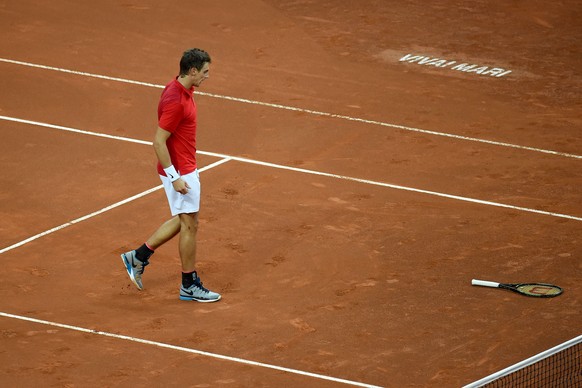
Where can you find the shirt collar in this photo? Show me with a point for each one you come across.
(187, 91)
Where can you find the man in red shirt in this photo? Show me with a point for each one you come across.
(175, 147)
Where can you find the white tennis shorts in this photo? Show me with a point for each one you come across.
(183, 203)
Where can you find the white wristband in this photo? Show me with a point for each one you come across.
(172, 173)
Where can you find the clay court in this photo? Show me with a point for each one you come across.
(357, 172)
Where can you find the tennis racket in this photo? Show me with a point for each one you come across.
(538, 290)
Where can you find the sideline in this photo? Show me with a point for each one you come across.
(305, 171)
(309, 111)
(188, 350)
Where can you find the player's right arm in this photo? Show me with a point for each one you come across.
(163, 155)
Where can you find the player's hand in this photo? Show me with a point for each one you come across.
(181, 186)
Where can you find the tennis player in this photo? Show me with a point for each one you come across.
(175, 147)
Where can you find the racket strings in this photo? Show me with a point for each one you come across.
(539, 289)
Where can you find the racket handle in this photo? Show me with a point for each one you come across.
(484, 283)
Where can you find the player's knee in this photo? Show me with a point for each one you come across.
(189, 223)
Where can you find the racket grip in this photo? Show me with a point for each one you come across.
(484, 283)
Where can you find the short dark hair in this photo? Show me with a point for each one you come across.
(193, 58)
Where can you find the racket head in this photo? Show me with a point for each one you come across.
(537, 290)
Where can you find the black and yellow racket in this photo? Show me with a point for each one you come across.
(538, 290)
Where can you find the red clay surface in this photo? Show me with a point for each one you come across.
(325, 275)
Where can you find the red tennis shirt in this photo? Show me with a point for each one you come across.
(177, 115)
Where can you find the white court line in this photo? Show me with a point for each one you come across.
(189, 350)
(405, 188)
(105, 209)
(309, 111)
(74, 130)
(312, 172)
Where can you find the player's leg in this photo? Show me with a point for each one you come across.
(135, 261)
(164, 233)
(134, 265)
(187, 245)
(192, 288)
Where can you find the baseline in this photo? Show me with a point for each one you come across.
(312, 172)
(189, 350)
(297, 109)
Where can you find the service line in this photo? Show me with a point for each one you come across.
(309, 111)
(101, 211)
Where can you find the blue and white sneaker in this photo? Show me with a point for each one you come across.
(197, 292)
(134, 267)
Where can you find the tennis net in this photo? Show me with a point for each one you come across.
(560, 366)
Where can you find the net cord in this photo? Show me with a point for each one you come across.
(525, 363)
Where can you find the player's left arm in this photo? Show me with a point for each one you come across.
(160, 146)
